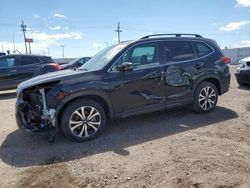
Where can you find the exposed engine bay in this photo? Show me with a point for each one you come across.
(33, 112)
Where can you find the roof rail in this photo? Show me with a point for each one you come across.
(174, 34)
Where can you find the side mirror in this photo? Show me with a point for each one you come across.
(126, 66)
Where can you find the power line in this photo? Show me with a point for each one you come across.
(118, 30)
(24, 29)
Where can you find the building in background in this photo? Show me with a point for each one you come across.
(237, 54)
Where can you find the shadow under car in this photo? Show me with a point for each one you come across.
(21, 150)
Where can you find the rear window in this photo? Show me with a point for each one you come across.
(202, 49)
(178, 51)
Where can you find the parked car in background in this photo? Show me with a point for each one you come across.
(62, 61)
(243, 72)
(154, 73)
(75, 63)
(19, 67)
(2, 53)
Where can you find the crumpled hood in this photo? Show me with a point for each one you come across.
(49, 77)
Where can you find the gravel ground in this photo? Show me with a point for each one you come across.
(173, 148)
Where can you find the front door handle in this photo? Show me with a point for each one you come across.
(12, 71)
(152, 75)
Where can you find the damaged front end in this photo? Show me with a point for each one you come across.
(36, 108)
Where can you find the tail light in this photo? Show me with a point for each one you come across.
(56, 66)
(226, 59)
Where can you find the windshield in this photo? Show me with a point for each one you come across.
(101, 59)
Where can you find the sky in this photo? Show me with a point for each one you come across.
(84, 27)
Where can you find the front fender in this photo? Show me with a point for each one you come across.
(84, 94)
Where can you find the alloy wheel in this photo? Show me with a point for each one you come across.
(207, 98)
(85, 121)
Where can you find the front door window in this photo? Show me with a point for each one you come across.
(142, 56)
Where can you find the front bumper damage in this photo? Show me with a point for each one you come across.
(33, 114)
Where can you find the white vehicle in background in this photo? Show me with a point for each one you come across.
(243, 72)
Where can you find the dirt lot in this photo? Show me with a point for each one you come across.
(175, 148)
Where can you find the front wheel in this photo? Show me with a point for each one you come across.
(205, 97)
(83, 120)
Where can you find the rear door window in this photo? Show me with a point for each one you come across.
(202, 49)
(175, 51)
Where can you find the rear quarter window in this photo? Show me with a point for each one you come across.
(202, 49)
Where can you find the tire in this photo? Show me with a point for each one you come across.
(242, 84)
(205, 97)
(81, 127)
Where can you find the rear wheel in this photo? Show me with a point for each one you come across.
(205, 97)
(83, 120)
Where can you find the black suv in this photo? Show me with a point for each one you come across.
(19, 67)
(153, 73)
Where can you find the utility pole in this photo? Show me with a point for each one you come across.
(14, 46)
(29, 47)
(118, 30)
(23, 29)
(62, 50)
(48, 52)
